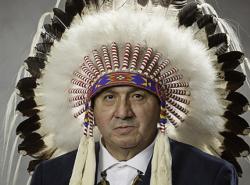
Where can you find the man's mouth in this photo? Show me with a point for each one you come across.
(123, 130)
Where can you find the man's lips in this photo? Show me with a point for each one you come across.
(123, 130)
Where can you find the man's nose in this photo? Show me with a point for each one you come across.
(124, 109)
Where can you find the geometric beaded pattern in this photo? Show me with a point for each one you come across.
(124, 78)
(137, 66)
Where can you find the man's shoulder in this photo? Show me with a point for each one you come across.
(188, 161)
(55, 171)
(182, 150)
(65, 160)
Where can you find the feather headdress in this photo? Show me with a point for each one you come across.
(181, 52)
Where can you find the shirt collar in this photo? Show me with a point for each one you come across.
(139, 161)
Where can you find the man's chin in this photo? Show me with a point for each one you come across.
(127, 143)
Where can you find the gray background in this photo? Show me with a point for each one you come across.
(18, 23)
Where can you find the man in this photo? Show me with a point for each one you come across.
(139, 79)
(127, 118)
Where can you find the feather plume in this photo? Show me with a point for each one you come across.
(43, 47)
(235, 79)
(143, 2)
(209, 22)
(230, 56)
(73, 7)
(35, 65)
(57, 25)
(189, 14)
(26, 83)
(236, 145)
(52, 31)
(31, 144)
(27, 107)
(217, 39)
(62, 17)
(238, 98)
(46, 38)
(236, 124)
(230, 60)
(27, 126)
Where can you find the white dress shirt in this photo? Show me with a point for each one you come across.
(123, 172)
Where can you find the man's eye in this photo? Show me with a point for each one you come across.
(137, 96)
(109, 97)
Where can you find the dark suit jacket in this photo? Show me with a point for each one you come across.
(190, 166)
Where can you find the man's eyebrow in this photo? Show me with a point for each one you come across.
(107, 91)
(131, 90)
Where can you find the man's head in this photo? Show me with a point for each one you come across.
(127, 117)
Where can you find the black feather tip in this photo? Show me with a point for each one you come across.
(209, 22)
(31, 144)
(73, 7)
(235, 79)
(143, 2)
(35, 66)
(217, 39)
(236, 145)
(28, 126)
(238, 98)
(27, 107)
(62, 17)
(230, 56)
(236, 124)
(43, 47)
(53, 31)
(189, 14)
(26, 86)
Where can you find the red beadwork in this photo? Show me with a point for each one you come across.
(177, 91)
(77, 91)
(145, 59)
(84, 79)
(126, 56)
(106, 58)
(135, 57)
(98, 61)
(162, 66)
(80, 83)
(91, 66)
(176, 105)
(179, 99)
(171, 119)
(168, 73)
(177, 85)
(115, 58)
(172, 78)
(78, 97)
(87, 72)
(79, 112)
(153, 63)
(78, 104)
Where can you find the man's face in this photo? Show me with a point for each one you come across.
(127, 117)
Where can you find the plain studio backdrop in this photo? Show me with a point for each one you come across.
(18, 24)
